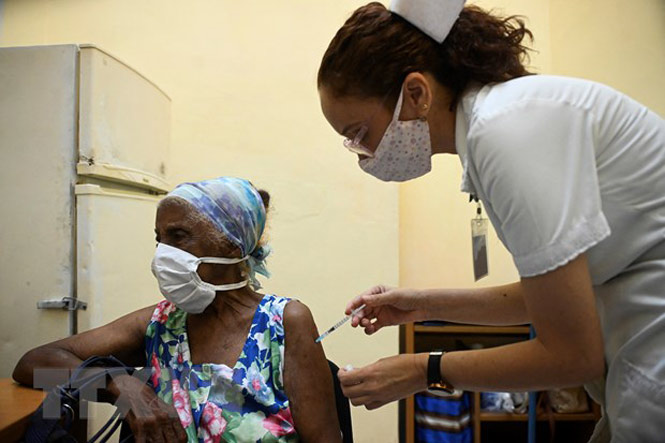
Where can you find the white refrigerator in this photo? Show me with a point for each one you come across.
(84, 149)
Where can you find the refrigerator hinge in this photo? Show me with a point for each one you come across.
(65, 303)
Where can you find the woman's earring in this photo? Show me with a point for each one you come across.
(422, 118)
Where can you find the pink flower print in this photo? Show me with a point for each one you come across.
(258, 387)
(162, 311)
(280, 424)
(276, 321)
(156, 370)
(181, 403)
(212, 423)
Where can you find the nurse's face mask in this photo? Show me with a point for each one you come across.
(179, 282)
(404, 152)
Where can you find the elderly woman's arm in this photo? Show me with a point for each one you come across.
(307, 378)
(124, 339)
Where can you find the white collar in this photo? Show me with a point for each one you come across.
(463, 115)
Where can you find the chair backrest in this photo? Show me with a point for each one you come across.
(342, 405)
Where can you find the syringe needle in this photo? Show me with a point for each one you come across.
(339, 323)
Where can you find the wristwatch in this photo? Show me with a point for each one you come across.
(435, 382)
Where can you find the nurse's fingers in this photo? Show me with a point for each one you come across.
(355, 391)
(358, 318)
(360, 401)
(359, 300)
(370, 321)
(350, 377)
(364, 317)
(372, 327)
(355, 302)
(371, 405)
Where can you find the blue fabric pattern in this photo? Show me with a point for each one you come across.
(246, 403)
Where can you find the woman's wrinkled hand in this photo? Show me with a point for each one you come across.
(150, 419)
(389, 379)
(386, 306)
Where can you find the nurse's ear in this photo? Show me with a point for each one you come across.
(416, 97)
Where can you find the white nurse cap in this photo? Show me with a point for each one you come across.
(433, 17)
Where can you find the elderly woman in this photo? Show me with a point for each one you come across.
(228, 363)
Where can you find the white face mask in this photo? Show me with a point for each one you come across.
(404, 152)
(179, 282)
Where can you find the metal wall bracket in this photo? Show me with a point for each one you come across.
(65, 303)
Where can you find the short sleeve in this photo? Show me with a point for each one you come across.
(535, 164)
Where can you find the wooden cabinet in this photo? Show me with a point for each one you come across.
(490, 426)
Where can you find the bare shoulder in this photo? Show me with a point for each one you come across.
(307, 377)
(298, 317)
(295, 310)
(135, 323)
(142, 317)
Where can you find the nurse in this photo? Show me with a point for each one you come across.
(572, 176)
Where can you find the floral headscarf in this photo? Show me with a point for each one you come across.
(236, 209)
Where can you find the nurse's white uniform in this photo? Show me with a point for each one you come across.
(565, 166)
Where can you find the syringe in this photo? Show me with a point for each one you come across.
(339, 323)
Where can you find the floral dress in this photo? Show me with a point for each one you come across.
(216, 403)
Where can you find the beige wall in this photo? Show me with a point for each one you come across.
(242, 79)
(615, 42)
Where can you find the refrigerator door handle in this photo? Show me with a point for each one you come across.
(65, 303)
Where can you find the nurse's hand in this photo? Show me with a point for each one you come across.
(386, 306)
(387, 380)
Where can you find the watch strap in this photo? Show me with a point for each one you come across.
(435, 382)
(434, 367)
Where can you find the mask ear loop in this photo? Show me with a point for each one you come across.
(227, 287)
(396, 112)
(398, 107)
(222, 260)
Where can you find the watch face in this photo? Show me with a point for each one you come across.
(449, 394)
(440, 388)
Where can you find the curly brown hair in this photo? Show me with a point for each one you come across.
(374, 51)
